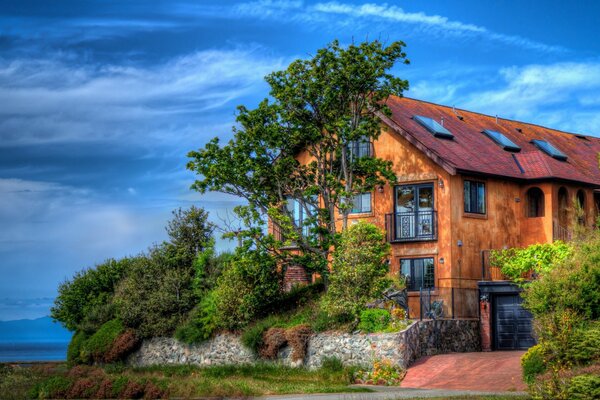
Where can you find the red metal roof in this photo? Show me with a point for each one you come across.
(472, 151)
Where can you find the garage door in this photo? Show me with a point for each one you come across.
(513, 328)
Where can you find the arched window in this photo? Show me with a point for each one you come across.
(581, 206)
(563, 211)
(535, 202)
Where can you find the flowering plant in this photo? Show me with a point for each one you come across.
(383, 373)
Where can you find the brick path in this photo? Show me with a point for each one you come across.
(495, 371)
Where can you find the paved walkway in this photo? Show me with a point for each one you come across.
(496, 371)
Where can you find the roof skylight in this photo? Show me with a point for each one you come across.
(502, 140)
(550, 150)
(434, 127)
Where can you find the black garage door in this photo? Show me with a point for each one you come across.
(512, 323)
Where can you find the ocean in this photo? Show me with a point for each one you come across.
(56, 351)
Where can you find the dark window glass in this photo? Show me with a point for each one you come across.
(433, 126)
(361, 203)
(360, 148)
(549, 149)
(535, 202)
(474, 194)
(300, 215)
(418, 272)
(502, 140)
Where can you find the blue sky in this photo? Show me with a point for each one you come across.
(101, 100)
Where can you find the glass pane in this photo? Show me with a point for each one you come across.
(366, 202)
(426, 198)
(481, 198)
(428, 273)
(405, 199)
(418, 273)
(406, 273)
(297, 213)
(467, 196)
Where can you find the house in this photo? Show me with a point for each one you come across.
(468, 183)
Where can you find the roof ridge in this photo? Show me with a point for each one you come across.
(493, 116)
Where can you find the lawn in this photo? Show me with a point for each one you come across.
(57, 381)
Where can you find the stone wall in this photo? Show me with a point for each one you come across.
(402, 348)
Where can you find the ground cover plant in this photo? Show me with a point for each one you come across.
(56, 381)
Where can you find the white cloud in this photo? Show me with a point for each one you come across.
(56, 100)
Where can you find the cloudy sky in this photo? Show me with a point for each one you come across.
(101, 100)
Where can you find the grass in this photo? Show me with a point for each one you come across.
(190, 381)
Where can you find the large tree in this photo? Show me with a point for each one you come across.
(296, 153)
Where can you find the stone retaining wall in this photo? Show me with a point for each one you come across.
(402, 348)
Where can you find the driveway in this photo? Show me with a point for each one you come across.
(496, 371)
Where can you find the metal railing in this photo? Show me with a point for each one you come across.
(488, 271)
(560, 232)
(448, 303)
(411, 227)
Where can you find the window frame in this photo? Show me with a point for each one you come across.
(469, 212)
(410, 284)
(353, 211)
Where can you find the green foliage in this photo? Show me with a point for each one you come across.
(202, 322)
(332, 364)
(516, 263)
(585, 344)
(374, 320)
(54, 387)
(99, 343)
(157, 294)
(208, 267)
(584, 387)
(74, 351)
(533, 363)
(84, 302)
(190, 232)
(248, 288)
(358, 271)
(320, 105)
(252, 337)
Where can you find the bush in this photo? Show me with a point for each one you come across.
(358, 271)
(100, 342)
(253, 335)
(566, 384)
(83, 303)
(516, 263)
(249, 287)
(585, 344)
(584, 387)
(157, 294)
(55, 387)
(123, 345)
(202, 322)
(533, 363)
(374, 320)
(74, 351)
(332, 364)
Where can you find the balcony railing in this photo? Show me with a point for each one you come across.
(560, 232)
(411, 227)
(360, 149)
(488, 271)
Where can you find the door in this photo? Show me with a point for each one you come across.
(414, 211)
(513, 324)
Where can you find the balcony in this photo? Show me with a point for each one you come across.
(411, 227)
(360, 149)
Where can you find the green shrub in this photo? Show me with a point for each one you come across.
(74, 351)
(253, 335)
(359, 271)
(55, 387)
(100, 342)
(248, 288)
(83, 303)
(202, 322)
(157, 294)
(374, 320)
(515, 263)
(585, 344)
(532, 363)
(584, 387)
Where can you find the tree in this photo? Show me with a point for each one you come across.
(319, 109)
(358, 271)
(190, 232)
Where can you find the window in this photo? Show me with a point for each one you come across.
(418, 272)
(361, 203)
(300, 215)
(360, 148)
(502, 140)
(535, 202)
(474, 197)
(550, 150)
(434, 127)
